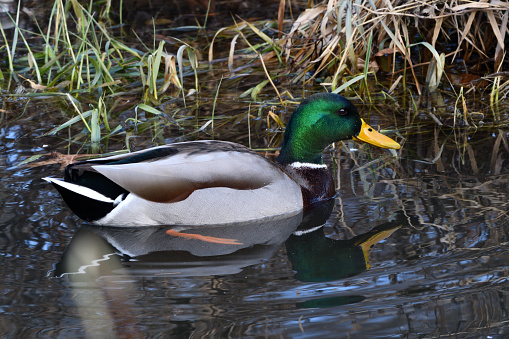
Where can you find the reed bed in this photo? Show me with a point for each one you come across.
(343, 46)
(344, 38)
(78, 57)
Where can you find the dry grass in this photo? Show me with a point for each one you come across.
(333, 37)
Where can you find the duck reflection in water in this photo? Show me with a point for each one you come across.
(317, 258)
(223, 249)
(180, 251)
(105, 256)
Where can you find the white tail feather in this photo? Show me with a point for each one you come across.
(85, 191)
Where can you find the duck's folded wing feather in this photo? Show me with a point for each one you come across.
(176, 177)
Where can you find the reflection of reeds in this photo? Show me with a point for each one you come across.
(457, 190)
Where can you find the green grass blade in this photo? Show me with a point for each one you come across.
(69, 123)
(149, 109)
(348, 83)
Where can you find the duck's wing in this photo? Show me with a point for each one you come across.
(180, 169)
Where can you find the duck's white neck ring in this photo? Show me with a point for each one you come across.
(297, 164)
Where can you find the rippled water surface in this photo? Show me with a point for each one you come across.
(436, 219)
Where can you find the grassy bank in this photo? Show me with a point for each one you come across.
(84, 54)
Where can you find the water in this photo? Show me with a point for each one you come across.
(443, 272)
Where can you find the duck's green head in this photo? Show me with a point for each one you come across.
(320, 120)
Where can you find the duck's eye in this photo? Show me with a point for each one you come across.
(342, 111)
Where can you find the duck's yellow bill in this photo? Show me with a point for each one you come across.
(369, 135)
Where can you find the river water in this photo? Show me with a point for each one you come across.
(414, 245)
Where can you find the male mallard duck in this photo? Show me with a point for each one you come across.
(217, 182)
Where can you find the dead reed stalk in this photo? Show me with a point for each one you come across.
(333, 36)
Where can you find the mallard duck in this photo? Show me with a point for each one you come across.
(217, 182)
